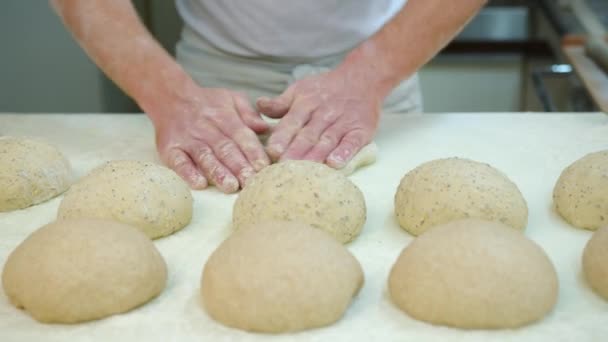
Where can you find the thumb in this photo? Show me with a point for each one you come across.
(250, 117)
(278, 106)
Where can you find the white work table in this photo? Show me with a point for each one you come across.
(532, 149)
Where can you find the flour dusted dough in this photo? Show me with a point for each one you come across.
(145, 195)
(595, 262)
(278, 277)
(366, 156)
(31, 172)
(79, 270)
(444, 190)
(303, 191)
(581, 192)
(474, 274)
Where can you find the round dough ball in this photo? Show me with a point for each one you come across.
(581, 192)
(444, 190)
(595, 262)
(474, 274)
(278, 277)
(84, 269)
(145, 195)
(303, 191)
(31, 172)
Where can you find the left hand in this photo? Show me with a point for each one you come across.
(326, 118)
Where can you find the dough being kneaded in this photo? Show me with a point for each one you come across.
(145, 195)
(366, 156)
(581, 192)
(278, 277)
(445, 190)
(474, 274)
(79, 270)
(31, 172)
(303, 191)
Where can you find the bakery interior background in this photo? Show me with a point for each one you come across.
(510, 57)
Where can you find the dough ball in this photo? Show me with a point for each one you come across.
(303, 191)
(474, 274)
(84, 269)
(278, 277)
(445, 190)
(145, 195)
(581, 192)
(31, 172)
(595, 262)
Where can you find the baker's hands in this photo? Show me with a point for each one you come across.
(325, 118)
(208, 136)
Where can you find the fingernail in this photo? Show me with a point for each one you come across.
(246, 174)
(337, 161)
(275, 150)
(230, 184)
(200, 182)
(259, 164)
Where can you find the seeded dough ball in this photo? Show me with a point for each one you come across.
(145, 195)
(31, 172)
(278, 277)
(303, 191)
(445, 190)
(474, 274)
(581, 192)
(79, 270)
(595, 262)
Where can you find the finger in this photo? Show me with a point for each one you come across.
(284, 132)
(250, 117)
(248, 156)
(309, 136)
(229, 154)
(350, 144)
(183, 165)
(214, 170)
(252, 148)
(276, 107)
(328, 141)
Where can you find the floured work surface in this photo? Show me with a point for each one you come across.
(531, 149)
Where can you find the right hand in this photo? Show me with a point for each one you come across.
(208, 136)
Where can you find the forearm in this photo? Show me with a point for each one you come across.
(409, 40)
(114, 37)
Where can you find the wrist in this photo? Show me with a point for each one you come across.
(371, 68)
(167, 95)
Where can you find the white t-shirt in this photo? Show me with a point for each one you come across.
(288, 28)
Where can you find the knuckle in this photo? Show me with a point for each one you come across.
(176, 158)
(306, 138)
(328, 116)
(204, 155)
(296, 119)
(216, 173)
(278, 139)
(328, 139)
(212, 114)
(253, 151)
(180, 162)
(350, 143)
(225, 148)
(244, 135)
